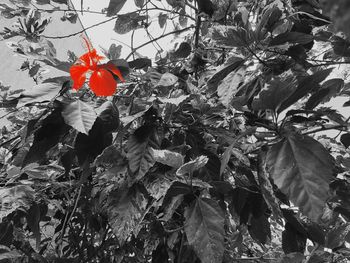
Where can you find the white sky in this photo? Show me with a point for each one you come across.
(104, 35)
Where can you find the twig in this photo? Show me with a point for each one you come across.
(157, 38)
(336, 127)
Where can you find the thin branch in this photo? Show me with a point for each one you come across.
(160, 37)
(336, 127)
(81, 31)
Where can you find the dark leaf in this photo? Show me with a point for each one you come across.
(302, 169)
(341, 47)
(292, 240)
(183, 51)
(115, 6)
(291, 38)
(259, 229)
(139, 3)
(306, 85)
(294, 257)
(122, 65)
(33, 219)
(6, 233)
(46, 137)
(177, 188)
(139, 148)
(204, 227)
(128, 22)
(315, 233)
(140, 63)
(345, 139)
(336, 237)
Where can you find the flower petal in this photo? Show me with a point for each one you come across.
(90, 58)
(111, 67)
(78, 75)
(102, 83)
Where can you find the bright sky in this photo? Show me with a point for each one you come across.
(103, 35)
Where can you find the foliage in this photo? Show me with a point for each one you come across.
(216, 150)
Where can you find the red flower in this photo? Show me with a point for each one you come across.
(101, 82)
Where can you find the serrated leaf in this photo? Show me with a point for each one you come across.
(139, 154)
(79, 115)
(162, 19)
(204, 227)
(191, 166)
(115, 6)
(229, 86)
(172, 159)
(345, 140)
(39, 93)
(125, 210)
(302, 169)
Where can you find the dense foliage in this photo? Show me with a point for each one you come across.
(217, 150)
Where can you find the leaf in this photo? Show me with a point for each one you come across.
(172, 159)
(33, 219)
(39, 93)
(183, 51)
(315, 233)
(230, 36)
(294, 257)
(345, 139)
(139, 148)
(329, 89)
(302, 169)
(125, 209)
(128, 22)
(167, 79)
(341, 47)
(46, 137)
(204, 228)
(259, 229)
(183, 18)
(229, 86)
(139, 3)
(306, 85)
(223, 71)
(162, 18)
(175, 101)
(292, 240)
(291, 38)
(115, 6)
(191, 166)
(140, 63)
(79, 115)
(274, 93)
(113, 52)
(336, 237)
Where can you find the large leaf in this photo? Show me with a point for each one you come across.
(140, 151)
(229, 86)
(306, 85)
(115, 6)
(204, 227)
(292, 240)
(223, 71)
(39, 93)
(80, 115)
(302, 169)
(336, 237)
(274, 93)
(125, 210)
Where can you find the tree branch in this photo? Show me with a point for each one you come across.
(157, 38)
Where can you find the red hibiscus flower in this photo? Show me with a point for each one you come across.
(101, 82)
